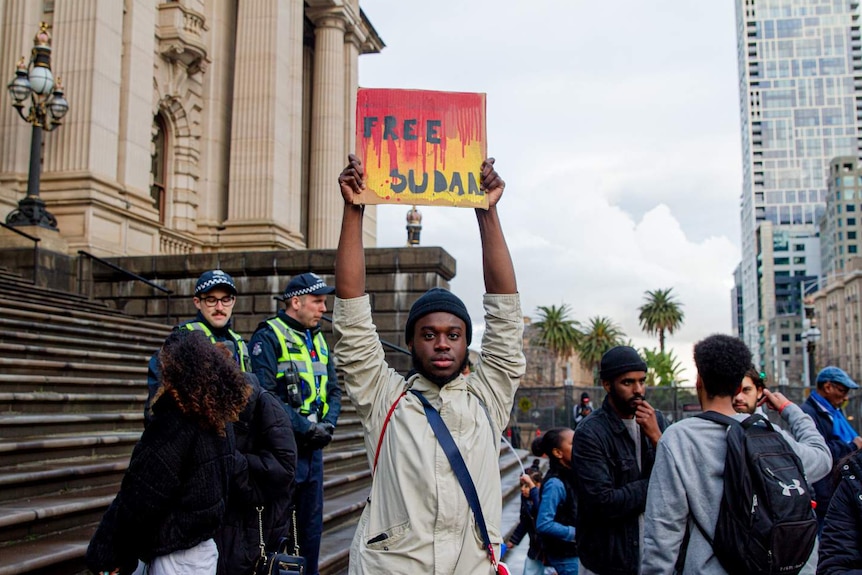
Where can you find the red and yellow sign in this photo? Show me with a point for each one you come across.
(421, 147)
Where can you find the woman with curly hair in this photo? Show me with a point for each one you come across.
(173, 495)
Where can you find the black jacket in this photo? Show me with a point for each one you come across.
(823, 489)
(265, 465)
(841, 540)
(611, 491)
(173, 494)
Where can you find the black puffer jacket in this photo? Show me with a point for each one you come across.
(173, 495)
(265, 466)
(611, 491)
(841, 540)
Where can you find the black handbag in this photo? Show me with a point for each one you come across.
(279, 562)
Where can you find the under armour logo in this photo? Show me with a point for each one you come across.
(786, 489)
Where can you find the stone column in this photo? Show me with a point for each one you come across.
(88, 47)
(266, 127)
(327, 130)
(19, 22)
(215, 119)
(136, 107)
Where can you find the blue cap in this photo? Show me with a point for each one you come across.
(836, 375)
(306, 284)
(213, 279)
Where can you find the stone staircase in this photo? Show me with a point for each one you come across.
(72, 390)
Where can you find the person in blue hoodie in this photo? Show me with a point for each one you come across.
(531, 483)
(558, 504)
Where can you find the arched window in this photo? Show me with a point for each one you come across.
(159, 165)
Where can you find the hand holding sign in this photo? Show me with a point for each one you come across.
(492, 184)
(352, 180)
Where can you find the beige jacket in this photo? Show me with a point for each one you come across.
(418, 520)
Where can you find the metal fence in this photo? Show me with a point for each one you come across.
(540, 408)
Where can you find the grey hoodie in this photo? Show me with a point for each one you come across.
(688, 480)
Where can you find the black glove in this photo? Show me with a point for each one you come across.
(319, 435)
(330, 427)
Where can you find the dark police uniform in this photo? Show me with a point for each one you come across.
(294, 362)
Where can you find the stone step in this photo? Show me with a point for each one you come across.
(60, 554)
(108, 383)
(46, 514)
(41, 316)
(44, 478)
(16, 332)
(28, 367)
(70, 329)
(64, 447)
(22, 426)
(68, 355)
(45, 402)
(30, 292)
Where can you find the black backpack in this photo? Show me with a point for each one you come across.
(766, 523)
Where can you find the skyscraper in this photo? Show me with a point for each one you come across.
(799, 65)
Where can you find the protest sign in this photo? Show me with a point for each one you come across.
(421, 147)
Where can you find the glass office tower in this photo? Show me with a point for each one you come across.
(800, 74)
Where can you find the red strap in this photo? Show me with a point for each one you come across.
(383, 431)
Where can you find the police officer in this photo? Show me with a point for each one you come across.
(215, 295)
(290, 357)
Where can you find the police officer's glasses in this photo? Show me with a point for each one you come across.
(226, 301)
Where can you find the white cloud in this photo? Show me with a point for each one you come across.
(615, 126)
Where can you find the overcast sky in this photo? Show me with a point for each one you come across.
(616, 128)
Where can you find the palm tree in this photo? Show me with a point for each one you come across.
(601, 335)
(557, 332)
(664, 368)
(661, 313)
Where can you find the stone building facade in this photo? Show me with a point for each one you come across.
(838, 313)
(194, 125)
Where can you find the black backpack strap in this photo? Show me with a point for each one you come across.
(719, 418)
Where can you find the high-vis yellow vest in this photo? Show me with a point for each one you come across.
(296, 356)
(240, 348)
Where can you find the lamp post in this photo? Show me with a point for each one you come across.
(48, 105)
(810, 337)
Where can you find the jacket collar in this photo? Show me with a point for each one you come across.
(616, 422)
(295, 325)
(221, 332)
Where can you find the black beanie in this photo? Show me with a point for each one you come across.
(619, 360)
(437, 299)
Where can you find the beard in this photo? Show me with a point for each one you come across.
(438, 380)
(626, 408)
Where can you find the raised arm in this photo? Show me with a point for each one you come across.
(350, 258)
(496, 260)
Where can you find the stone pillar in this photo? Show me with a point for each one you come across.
(266, 127)
(88, 47)
(216, 118)
(19, 22)
(136, 107)
(327, 130)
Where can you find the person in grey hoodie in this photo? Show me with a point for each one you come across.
(688, 477)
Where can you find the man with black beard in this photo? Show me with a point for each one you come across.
(417, 519)
(612, 454)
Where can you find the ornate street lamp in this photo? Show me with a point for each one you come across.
(48, 105)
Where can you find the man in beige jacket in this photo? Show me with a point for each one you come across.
(417, 519)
